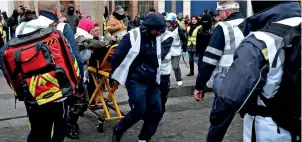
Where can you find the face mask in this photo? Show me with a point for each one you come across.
(70, 11)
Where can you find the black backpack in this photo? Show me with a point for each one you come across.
(285, 106)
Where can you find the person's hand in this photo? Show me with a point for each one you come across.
(198, 95)
(184, 54)
(111, 81)
(196, 59)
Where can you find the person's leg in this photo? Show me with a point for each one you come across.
(40, 123)
(164, 91)
(137, 102)
(191, 63)
(221, 117)
(73, 117)
(153, 114)
(60, 121)
(175, 65)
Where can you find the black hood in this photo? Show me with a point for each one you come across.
(279, 12)
(155, 21)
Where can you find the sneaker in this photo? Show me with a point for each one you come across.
(179, 83)
(116, 135)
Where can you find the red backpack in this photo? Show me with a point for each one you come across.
(40, 67)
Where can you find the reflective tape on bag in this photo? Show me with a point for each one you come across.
(32, 85)
(265, 53)
(50, 78)
(76, 67)
(54, 97)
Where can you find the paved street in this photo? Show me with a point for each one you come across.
(184, 121)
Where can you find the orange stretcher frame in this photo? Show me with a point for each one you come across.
(99, 99)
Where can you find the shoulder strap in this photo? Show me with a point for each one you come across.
(288, 33)
(22, 28)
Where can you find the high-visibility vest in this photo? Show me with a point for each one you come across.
(192, 38)
(181, 23)
(2, 31)
(121, 72)
(104, 26)
(232, 37)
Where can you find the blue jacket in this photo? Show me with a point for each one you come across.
(232, 90)
(217, 41)
(69, 35)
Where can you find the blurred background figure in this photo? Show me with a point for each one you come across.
(12, 23)
(181, 20)
(27, 16)
(79, 14)
(21, 12)
(72, 19)
(115, 24)
(192, 34)
(6, 28)
(62, 16)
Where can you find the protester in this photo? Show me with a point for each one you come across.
(192, 34)
(165, 68)
(136, 21)
(219, 54)
(187, 22)
(21, 12)
(87, 30)
(262, 91)
(179, 44)
(79, 14)
(203, 37)
(3, 29)
(34, 15)
(27, 16)
(136, 64)
(115, 24)
(48, 122)
(152, 10)
(72, 19)
(181, 20)
(6, 25)
(12, 23)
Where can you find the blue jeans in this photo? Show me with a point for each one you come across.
(145, 104)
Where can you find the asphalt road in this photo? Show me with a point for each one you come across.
(184, 121)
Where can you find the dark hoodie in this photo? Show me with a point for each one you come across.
(147, 55)
(72, 19)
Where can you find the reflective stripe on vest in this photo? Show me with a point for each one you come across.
(121, 72)
(192, 39)
(273, 43)
(181, 23)
(233, 37)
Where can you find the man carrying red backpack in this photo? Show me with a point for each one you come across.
(42, 65)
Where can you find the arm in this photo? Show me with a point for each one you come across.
(211, 58)
(183, 38)
(68, 33)
(84, 43)
(237, 85)
(121, 52)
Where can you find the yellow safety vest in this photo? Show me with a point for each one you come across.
(181, 24)
(2, 31)
(192, 39)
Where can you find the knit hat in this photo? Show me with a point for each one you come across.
(86, 24)
(119, 9)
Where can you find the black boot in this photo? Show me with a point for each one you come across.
(116, 135)
(191, 68)
(71, 132)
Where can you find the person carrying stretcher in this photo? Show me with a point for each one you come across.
(87, 38)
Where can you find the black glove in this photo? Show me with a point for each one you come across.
(111, 81)
(80, 90)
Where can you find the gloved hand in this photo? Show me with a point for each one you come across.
(79, 90)
(195, 59)
(111, 81)
(184, 54)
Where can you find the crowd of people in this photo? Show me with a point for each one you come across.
(239, 59)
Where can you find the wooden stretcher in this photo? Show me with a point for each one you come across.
(103, 95)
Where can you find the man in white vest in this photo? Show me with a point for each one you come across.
(255, 83)
(49, 122)
(136, 65)
(179, 44)
(220, 51)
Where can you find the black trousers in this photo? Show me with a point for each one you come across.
(47, 123)
(164, 91)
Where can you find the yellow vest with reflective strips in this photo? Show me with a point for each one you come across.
(192, 39)
(181, 24)
(105, 26)
(2, 31)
